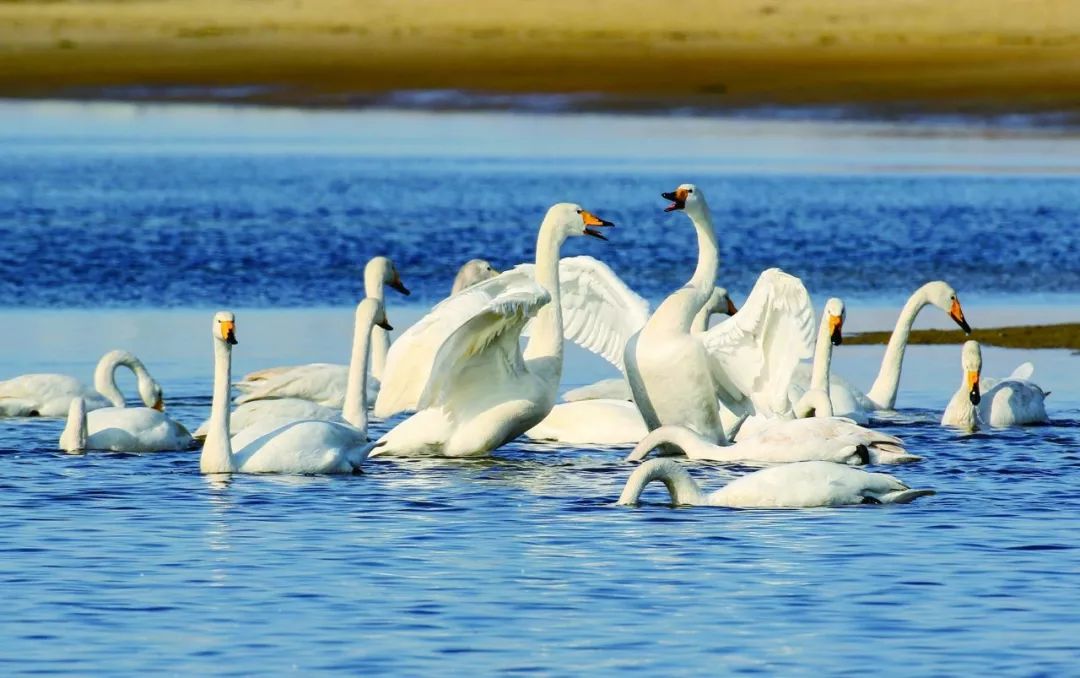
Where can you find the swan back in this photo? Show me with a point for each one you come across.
(813, 483)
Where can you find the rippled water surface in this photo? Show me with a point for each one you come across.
(128, 564)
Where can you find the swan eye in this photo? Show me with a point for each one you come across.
(579, 211)
(690, 191)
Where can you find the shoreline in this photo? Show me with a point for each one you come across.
(885, 61)
(1059, 336)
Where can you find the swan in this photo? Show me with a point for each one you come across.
(617, 389)
(324, 383)
(368, 316)
(301, 447)
(746, 361)
(50, 395)
(122, 429)
(825, 439)
(591, 422)
(462, 368)
(804, 484)
(849, 401)
(1013, 401)
(472, 272)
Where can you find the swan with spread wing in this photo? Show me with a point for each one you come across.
(461, 368)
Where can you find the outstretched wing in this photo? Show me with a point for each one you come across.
(755, 352)
(457, 335)
(600, 313)
(1025, 371)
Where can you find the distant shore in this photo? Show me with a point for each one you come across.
(1066, 335)
(888, 58)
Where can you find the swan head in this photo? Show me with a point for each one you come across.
(380, 270)
(151, 393)
(942, 295)
(472, 272)
(971, 359)
(686, 197)
(835, 314)
(224, 328)
(377, 311)
(720, 302)
(573, 220)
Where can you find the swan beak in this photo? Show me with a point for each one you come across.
(973, 385)
(957, 314)
(731, 310)
(836, 326)
(399, 286)
(591, 219)
(677, 198)
(385, 325)
(159, 405)
(228, 332)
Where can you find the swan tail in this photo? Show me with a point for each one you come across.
(683, 489)
(887, 453)
(73, 439)
(904, 496)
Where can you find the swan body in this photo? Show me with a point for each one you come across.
(591, 422)
(1014, 401)
(803, 484)
(461, 368)
(618, 389)
(754, 450)
(50, 395)
(122, 429)
(278, 411)
(298, 447)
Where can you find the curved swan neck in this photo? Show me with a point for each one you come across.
(355, 408)
(883, 392)
(815, 402)
(679, 310)
(682, 488)
(673, 439)
(73, 439)
(546, 335)
(105, 374)
(217, 450)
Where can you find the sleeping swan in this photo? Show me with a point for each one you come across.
(122, 429)
(800, 485)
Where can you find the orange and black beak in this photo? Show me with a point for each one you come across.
(399, 286)
(957, 314)
(677, 198)
(836, 327)
(228, 332)
(973, 386)
(731, 310)
(159, 405)
(385, 324)
(591, 219)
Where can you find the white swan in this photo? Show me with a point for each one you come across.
(472, 272)
(1013, 401)
(50, 395)
(301, 447)
(849, 401)
(803, 484)
(591, 422)
(825, 439)
(324, 383)
(618, 389)
(122, 429)
(461, 367)
(746, 361)
(278, 411)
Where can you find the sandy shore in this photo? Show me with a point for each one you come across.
(962, 55)
(1066, 335)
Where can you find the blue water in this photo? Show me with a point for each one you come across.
(125, 564)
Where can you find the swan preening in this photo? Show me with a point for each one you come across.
(1013, 401)
(50, 395)
(298, 447)
(122, 429)
(804, 484)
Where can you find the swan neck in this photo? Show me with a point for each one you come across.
(374, 288)
(700, 323)
(355, 408)
(704, 278)
(684, 491)
(105, 375)
(819, 377)
(546, 335)
(217, 450)
(73, 439)
(883, 392)
(678, 312)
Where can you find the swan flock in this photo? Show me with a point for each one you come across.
(485, 365)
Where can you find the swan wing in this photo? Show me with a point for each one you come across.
(1025, 372)
(427, 356)
(600, 312)
(756, 351)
